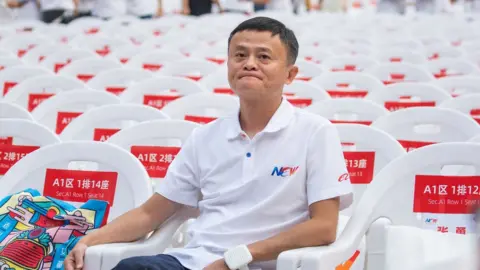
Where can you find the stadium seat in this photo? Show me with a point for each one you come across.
(86, 69)
(302, 94)
(468, 104)
(11, 110)
(58, 111)
(459, 85)
(124, 53)
(421, 126)
(307, 70)
(99, 43)
(348, 63)
(18, 138)
(190, 68)
(202, 107)
(159, 91)
(405, 95)
(401, 55)
(347, 84)
(447, 67)
(20, 44)
(312, 53)
(117, 80)
(58, 60)
(390, 73)
(16, 74)
(153, 60)
(348, 110)
(31, 92)
(395, 193)
(9, 61)
(37, 54)
(99, 123)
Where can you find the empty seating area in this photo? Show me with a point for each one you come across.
(113, 102)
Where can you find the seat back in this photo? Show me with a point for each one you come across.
(307, 70)
(191, 68)
(421, 126)
(153, 60)
(100, 123)
(347, 84)
(348, 110)
(16, 74)
(19, 137)
(11, 110)
(313, 54)
(31, 92)
(447, 67)
(86, 69)
(302, 94)
(216, 54)
(99, 43)
(390, 73)
(367, 150)
(37, 54)
(9, 61)
(401, 55)
(156, 150)
(19, 44)
(77, 171)
(217, 82)
(459, 85)
(58, 111)
(406, 95)
(348, 63)
(436, 52)
(58, 60)
(467, 104)
(117, 80)
(201, 107)
(159, 91)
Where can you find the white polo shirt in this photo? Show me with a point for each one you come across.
(142, 7)
(56, 4)
(109, 8)
(248, 190)
(280, 5)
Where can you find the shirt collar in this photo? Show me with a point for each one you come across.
(280, 119)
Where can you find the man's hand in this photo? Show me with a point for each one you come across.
(74, 260)
(14, 4)
(186, 10)
(216, 265)
(159, 12)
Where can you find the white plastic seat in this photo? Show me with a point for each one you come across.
(117, 80)
(122, 180)
(100, 123)
(202, 107)
(58, 60)
(216, 54)
(86, 25)
(58, 111)
(447, 67)
(468, 104)
(191, 68)
(400, 72)
(6, 62)
(436, 52)
(11, 110)
(5, 53)
(217, 82)
(459, 85)
(302, 94)
(348, 63)
(413, 243)
(420, 126)
(159, 91)
(124, 53)
(99, 43)
(86, 69)
(19, 44)
(153, 60)
(307, 70)
(16, 74)
(348, 110)
(37, 54)
(164, 143)
(405, 95)
(312, 53)
(401, 55)
(31, 92)
(391, 195)
(347, 84)
(367, 151)
(28, 26)
(348, 49)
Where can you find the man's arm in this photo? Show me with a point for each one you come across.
(319, 230)
(134, 224)
(219, 5)
(185, 7)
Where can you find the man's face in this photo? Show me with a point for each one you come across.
(258, 65)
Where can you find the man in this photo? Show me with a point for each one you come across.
(199, 7)
(267, 179)
(50, 10)
(144, 9)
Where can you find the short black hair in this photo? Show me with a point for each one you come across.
(265, 24)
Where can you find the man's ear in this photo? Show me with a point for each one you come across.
(292, 73)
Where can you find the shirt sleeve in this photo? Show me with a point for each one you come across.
(327, 175)
(181, 184)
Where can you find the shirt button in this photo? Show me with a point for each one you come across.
(249, 154)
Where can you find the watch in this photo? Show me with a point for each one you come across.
(238, 258)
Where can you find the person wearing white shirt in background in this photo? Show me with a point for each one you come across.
(107, 9)
(84, 8)
(242, 6)
(285, 5)
(144, 9)
(50, 10)
(266, 179)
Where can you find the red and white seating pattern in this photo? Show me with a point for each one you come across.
(387, 82)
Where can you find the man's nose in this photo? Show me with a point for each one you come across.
(251, 63)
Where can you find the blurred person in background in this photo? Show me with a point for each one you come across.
(199, 7)
(50, 10)
(240, 6)
(84, 8)
(144, 9)
(29, 10)
(106, 9)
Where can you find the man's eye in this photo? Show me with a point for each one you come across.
(264, 56)
(240, 55)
